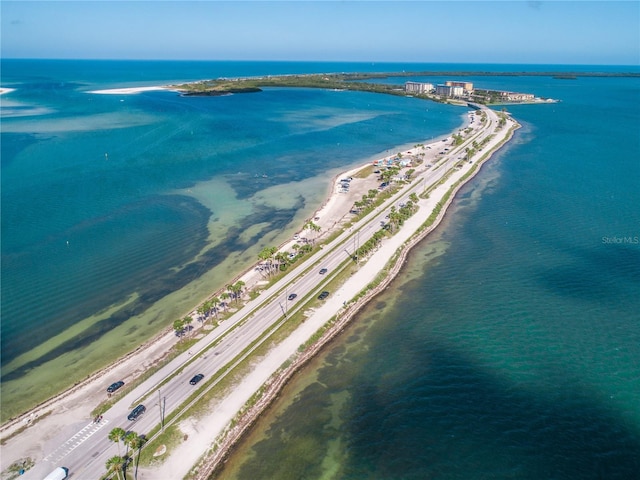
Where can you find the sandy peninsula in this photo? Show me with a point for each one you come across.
(128, 91)
(54, 421)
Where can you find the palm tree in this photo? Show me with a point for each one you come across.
(224, 296)
(115, 464)
(128, 438)
(202, 311)
(237, 289)
(314, 228)
(116, 435)
(266, 255)
(214, 305)
(186, 321)
(178, 326)
(281, 259)
(136, 443)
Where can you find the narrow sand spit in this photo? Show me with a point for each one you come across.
(74, 406)
(127, 91)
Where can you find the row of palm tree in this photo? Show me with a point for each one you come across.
(370, 245)
(312, 227)
(267, 255)
(233, 291)
(367, 200)
(132, 441)
(396, 218)
(181, 325)
(390, 172)
(274, 260)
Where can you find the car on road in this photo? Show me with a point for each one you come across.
(114, 386)
(136, 412)
(60, 473)
(323, 295)
(323, 271)
(292, 296)
(196, 379)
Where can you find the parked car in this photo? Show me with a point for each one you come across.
(323, 271)
(136, 412)
(196, 379)
(115, 386)
(323, 295)
(292, 296)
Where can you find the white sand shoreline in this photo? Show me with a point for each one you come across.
(130, 90)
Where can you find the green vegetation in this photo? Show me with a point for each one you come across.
(13, 471)
(341, 81)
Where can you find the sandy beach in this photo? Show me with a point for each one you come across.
(61, 416)
(128, 91)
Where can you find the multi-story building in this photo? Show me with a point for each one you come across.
(504, 96)
(449, 90)
(466, 86)
(418, 87)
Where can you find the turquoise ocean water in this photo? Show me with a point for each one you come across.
(508, 348)
(120, 213)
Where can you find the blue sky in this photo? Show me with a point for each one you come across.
(508, 31)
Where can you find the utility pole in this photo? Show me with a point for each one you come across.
(161, 407)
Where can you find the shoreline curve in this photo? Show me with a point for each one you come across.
(280, 379)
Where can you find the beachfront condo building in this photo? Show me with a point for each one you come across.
(418, 87)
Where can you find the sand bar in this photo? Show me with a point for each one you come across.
(128, 91)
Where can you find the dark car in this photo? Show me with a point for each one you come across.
(136, 412)
(292, 296)
(196, 379)
(115, 386)
(323, 271)
(323, 295)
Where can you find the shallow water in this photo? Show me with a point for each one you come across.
(121, 212)
(509, 345)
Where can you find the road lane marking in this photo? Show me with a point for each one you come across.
(70, 445)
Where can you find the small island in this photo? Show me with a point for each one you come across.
(453, 92)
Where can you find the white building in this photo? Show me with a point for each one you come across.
(418, 87)
(449, 90)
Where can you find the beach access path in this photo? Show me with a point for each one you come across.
(70, 413)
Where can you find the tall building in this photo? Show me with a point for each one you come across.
(466, 86)
(449, 90)
(418, 87)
